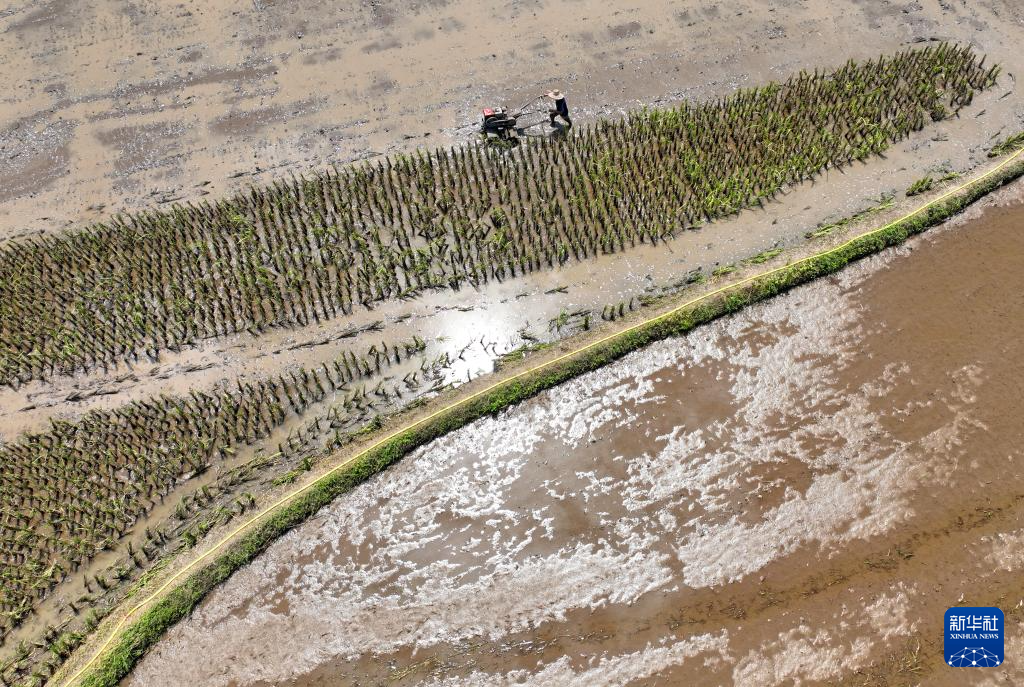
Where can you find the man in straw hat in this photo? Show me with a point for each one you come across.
(561, 109)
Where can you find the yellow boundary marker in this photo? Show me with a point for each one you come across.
(451, 406)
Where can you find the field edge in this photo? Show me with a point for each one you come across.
(125, 647)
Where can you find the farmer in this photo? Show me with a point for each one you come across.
(561, 109)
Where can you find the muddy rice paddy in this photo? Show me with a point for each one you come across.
(619, 528)
(792, 495)
(141, 108)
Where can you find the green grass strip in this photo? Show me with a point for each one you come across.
(133, 643)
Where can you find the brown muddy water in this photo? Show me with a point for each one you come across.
(792, 495)
(133, 106)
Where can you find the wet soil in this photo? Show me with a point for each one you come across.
(153, 105)
(143, 104)
(792, 495)
(240, 93)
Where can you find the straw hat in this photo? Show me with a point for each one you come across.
(555, 95)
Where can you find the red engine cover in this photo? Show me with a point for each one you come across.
(488, 112)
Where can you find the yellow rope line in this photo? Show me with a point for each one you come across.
(288, 497)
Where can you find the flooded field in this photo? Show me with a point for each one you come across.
(668, 514)
(144, 106)
(793, 495)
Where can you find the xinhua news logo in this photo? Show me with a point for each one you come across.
(974, 637)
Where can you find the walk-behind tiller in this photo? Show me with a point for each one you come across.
(500, 123)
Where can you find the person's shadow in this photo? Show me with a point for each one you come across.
(556, 130)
